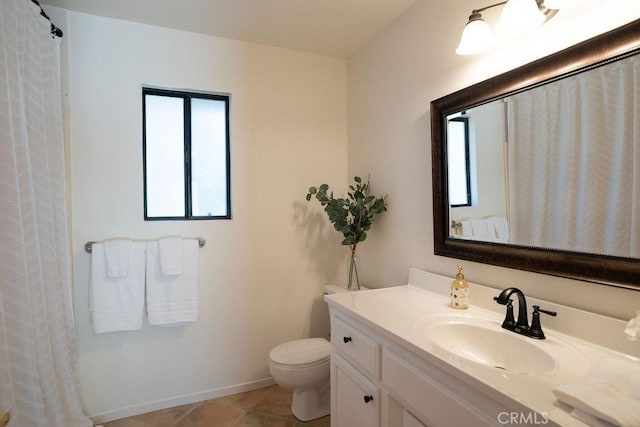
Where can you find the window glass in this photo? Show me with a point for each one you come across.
(208, 157)
(164, 129)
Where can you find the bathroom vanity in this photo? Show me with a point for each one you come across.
(402, 356)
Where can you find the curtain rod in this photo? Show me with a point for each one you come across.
(54, 30)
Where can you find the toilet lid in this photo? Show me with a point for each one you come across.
(301, 352)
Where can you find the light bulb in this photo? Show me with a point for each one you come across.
(519, 17)
(476, 37)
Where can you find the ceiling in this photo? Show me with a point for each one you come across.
(328, 27)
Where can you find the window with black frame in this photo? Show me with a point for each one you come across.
(459, 182)
(186, 157)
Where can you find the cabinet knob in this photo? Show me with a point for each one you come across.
(346, 339)
(368, 398)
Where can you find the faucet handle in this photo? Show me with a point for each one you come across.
(536, 308)
(509, 321)
(536, 329)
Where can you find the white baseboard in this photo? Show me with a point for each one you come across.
(129, 411)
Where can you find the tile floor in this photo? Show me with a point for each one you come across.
(268, 407)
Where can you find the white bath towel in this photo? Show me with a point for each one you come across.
(170, 255)
(117, 304)
(610, 392)
(172, 300)
(116, 253)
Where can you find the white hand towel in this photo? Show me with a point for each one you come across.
(466, 228)
(117, 304)
(170, 255)
(172, 300)
(116, 252)
(632, 330)
(482, 229)
(610, 392)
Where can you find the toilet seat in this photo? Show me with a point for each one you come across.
(301, 353)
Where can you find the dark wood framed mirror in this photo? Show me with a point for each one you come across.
(606, 266)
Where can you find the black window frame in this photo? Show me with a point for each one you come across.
(467, 158)
(187, 96)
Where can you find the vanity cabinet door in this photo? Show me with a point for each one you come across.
(393, 414)
(354, 398)
(408, 420)
(430, 399)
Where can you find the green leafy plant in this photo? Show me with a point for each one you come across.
(354, 215)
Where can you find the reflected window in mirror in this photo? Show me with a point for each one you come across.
(486, 153)
(459, 161)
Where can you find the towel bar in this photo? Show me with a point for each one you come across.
(89, 245)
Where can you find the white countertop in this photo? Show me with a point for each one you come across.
(395, 312)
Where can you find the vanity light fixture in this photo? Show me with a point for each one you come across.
(561, 4)
(518, 17)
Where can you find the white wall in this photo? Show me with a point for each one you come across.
(261, 273)
(390, 85)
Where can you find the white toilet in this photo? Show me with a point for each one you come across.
(302, 366)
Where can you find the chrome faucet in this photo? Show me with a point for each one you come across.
(522, 325)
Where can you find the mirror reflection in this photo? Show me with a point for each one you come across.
(556, 166)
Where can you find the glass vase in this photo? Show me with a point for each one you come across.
(353, 283)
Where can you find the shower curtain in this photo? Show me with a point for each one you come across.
(38, 380)
(574, 162)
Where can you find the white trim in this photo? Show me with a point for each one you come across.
(129, 411)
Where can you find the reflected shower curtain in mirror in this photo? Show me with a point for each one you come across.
(38, 380)
(574, 183)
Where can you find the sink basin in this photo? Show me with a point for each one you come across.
(486, 343)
